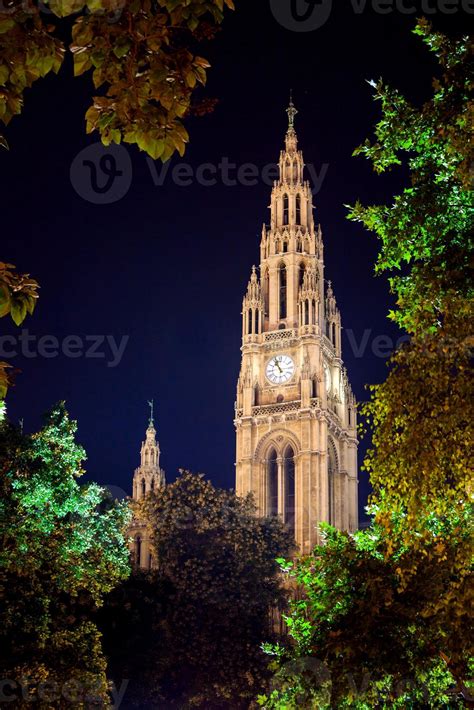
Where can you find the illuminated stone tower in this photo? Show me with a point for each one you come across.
(295, 416)
(148, 477)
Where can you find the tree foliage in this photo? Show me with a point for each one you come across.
(427, 232)
(370, 633)
(203, 614)
(62, 549)
(141, 56)
(18, 294)
(420, 415)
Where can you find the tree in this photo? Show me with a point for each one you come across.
(369, 633)
(200, 619)
(391, 602)
(141, 56)
(421, 456)
(62, 549)
(18, 294)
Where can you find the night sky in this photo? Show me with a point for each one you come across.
(167, 266)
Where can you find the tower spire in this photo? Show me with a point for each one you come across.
(291, 111)
(152, 406)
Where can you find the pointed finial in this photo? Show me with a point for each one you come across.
(151, 405)
(291, 111)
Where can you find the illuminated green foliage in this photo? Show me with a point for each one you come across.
(199, 621)
(370, 633)
(62, 549)
(140, 54)
(427, 232)
(421, 415)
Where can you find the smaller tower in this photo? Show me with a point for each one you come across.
(148, 478)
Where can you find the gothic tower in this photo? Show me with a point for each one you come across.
(148, 477)
(295, 416)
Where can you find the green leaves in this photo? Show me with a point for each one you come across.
(62, 550)
(142, 61)
(431, 223)
(18, 293)
(374, 605)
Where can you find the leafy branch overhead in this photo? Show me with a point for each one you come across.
(18, 294)
(141, 55)
(426, 234)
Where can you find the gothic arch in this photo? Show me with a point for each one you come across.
(301, 273)
(289, 487)
(298, 209)
(332, 450)
(138, 550)
(282, 290)
(272, 482)
(333, 469)
(279, 439)
(286, 209)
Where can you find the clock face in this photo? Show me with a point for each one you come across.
(280, 369)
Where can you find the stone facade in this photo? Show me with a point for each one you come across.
(295, 414)
(148, 477)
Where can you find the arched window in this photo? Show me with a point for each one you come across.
(272, 483)
(301, 271)
(283, 288)
(289, 487)
(138, 550)
(333, 334)
(152, 486)
(285, 247)
(266, 290)
(249, 329)
(286, 209)
(314, 312)
(306, 313)
(332, 469)
(143, 486)
(298, 209)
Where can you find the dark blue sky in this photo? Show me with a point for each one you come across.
(166, 266)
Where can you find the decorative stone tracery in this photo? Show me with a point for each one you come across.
(292, 311)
